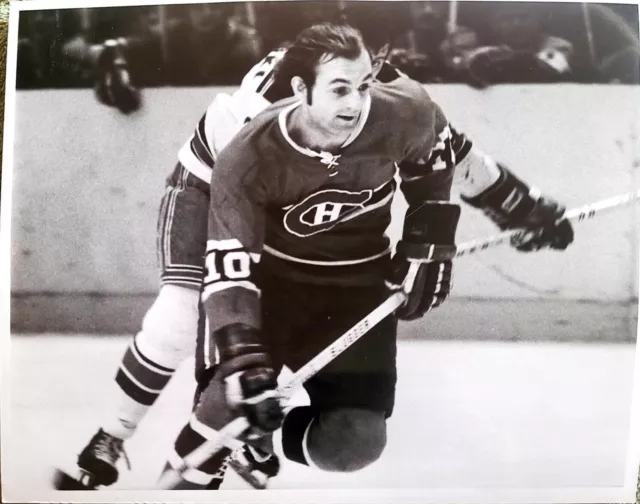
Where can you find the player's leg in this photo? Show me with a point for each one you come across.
(344, 428)
(168, 330)
(211, 414)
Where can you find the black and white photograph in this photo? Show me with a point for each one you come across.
(324, 251)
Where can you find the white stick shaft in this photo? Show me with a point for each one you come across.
(579, 214)
(342, 343)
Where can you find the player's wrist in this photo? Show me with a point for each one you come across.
(240, 348)
(509, 202)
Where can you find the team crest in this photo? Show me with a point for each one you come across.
(325, 209)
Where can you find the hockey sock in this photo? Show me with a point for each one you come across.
(210, 474)
(140, 380)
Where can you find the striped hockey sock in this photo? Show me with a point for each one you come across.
(140, 381)
(210, 474)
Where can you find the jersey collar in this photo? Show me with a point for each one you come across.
(325, 157)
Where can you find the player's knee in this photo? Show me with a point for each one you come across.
(170, 326)
(347, 440)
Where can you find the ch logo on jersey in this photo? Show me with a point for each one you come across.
(325, 209)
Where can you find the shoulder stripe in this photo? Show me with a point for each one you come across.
(266, 83)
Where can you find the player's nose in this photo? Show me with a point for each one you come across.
(355, 102)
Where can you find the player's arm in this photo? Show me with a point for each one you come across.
(231, 296)
(507, 200)
(431, 220)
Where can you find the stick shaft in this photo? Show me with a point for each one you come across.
(579, 214)
(342, 343)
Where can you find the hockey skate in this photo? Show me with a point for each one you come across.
(254, 465)
(96, 464)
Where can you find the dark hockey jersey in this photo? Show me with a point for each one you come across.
(316, 217)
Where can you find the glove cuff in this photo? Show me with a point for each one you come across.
(240, 348)
(426, 252)
(508, 202)
(431, 224)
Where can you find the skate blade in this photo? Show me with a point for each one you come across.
(249, 476)
(64, 481)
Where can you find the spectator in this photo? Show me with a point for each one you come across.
(427, 64)
(113, 83)
(226, 48)
(521, 52)
(457, 49)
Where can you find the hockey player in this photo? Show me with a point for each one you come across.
(168, 331)
(297, 253)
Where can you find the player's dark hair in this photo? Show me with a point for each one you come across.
(318, 44)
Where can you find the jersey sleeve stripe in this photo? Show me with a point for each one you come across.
(201, 152)
(186, 267)
(202, 136)
(229, 244)
(214, 287)
(194, 165)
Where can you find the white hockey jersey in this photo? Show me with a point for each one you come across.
(226, 115)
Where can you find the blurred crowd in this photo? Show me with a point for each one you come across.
(476, 43)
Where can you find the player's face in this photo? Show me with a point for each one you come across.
(340, 92)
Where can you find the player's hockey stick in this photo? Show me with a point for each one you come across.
(579, 214)
(228, 435)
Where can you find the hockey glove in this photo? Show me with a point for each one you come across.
(113, 85)
(247, 381)
(428, 242)
(512, 204)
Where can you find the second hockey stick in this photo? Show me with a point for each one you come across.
(579, 214)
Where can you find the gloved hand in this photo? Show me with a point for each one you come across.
(512, 204)
(544, 227)
(427, 248)
(113, 84)
(244, 383)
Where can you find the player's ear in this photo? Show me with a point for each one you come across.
(299, 88)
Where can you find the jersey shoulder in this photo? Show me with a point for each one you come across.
(403, 98)
(252, 143)
(405, 107)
